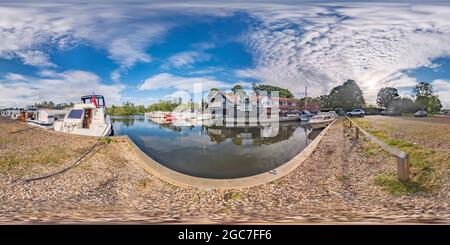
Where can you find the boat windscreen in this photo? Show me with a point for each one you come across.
(75, 114)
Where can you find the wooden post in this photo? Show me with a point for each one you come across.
(403, 168)
(357, 133)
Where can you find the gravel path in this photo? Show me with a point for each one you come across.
(333, 185)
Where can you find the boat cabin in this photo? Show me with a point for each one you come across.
(99, 100)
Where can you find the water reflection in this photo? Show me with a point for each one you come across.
(217, 151)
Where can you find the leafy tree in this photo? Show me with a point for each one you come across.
(127, 108)
(162, 106)
(386, 96)
(52, 105)
(236, 88)
(347, 96)
(425, 99)
(403, 105)
(325, 102)
(282, 92)
(423, 89)
(212, 91)
(431, 104)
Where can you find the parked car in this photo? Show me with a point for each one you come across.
(356, 112)
(390, 112)
(421, 113)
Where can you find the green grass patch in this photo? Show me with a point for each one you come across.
(233, 196)
(17, 163)
(343, 178)
(400, 143)
(107, 140)
(426, 163)
(8, 162)
(362, 123)
(390, 183)
(54, 154)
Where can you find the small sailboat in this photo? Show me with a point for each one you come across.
(320, 121)
(87, 118)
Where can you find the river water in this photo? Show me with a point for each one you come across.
(216, 151)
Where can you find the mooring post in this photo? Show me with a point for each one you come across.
(403, 167)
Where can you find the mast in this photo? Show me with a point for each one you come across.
(306, 96)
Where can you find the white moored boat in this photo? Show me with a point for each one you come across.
(42, 118)
(88, 118)
(289, 118)
(320, 121)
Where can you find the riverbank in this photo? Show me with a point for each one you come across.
(109, 186)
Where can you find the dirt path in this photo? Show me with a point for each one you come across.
(334, 185)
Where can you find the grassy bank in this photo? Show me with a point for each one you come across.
(428, 165)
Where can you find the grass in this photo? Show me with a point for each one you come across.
(372, 149)
(18, 163)
(389, 182)
(233, 196)
(107, 140)
(343, 178)
(426, 163)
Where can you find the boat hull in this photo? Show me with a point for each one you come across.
(40, 124)
(107, 130)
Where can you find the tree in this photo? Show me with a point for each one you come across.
(423, 89)
(212, 91)
(403, 105)
(282, 92)
(431, 104)
(236, 88)
(386, 96)
(425, 99)
(347, 96)
(325, 102)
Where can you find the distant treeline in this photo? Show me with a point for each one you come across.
(129, 108)
(349, 96)
(52, 105)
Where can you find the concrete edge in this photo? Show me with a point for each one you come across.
(183, 180)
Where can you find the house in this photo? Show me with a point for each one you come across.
(241, 107)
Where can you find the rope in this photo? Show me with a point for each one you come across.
(76, 163)
(22, 130)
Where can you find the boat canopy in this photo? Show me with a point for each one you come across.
(100, 100)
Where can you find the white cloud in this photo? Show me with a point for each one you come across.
(169, 81)
(442, 88)
(293, 44)
(30, 31)
(187, 58)
(321, 46)
(68, 86)
(35, 58)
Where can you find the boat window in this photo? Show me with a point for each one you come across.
(76, 114)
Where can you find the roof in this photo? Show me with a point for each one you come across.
(97, 96)
(235, 97)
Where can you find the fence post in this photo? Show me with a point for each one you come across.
(357, 133)
(403, 167)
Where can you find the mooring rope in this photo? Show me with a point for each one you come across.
(77, 162)
(22, 130)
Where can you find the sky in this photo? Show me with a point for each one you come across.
(144, 51)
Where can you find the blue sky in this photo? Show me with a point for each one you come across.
(143, 52)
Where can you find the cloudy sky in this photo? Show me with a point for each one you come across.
(142, 52)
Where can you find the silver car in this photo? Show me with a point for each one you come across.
(421, 113)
